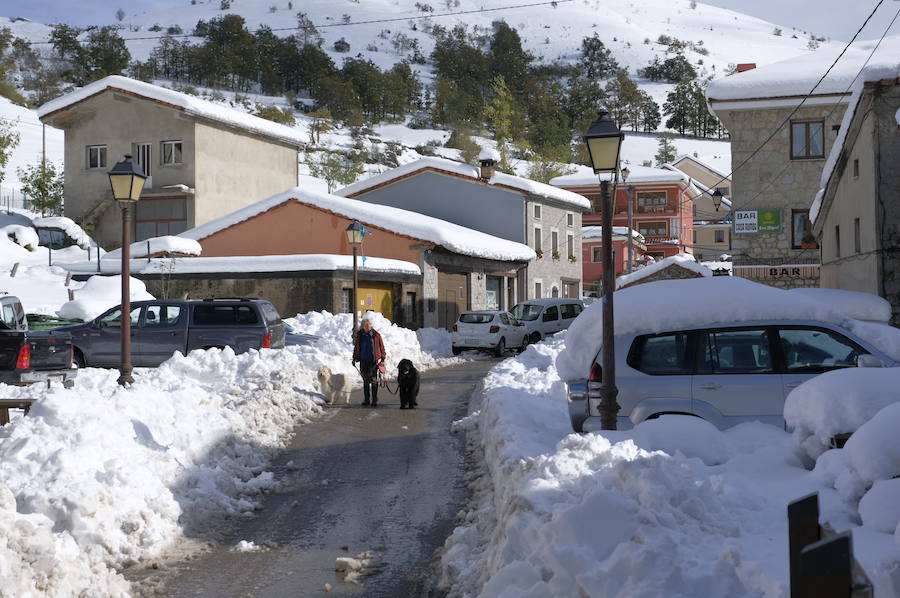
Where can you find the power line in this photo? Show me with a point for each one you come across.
(298, 27)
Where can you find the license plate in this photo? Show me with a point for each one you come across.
(472, 341)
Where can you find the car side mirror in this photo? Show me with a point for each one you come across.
(869, 361)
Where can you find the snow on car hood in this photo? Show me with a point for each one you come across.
(679, 304)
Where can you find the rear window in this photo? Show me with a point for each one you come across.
(569, 310)
(662, 355)
(476, 318)
(270, 313)
(527, 311)
(224, 315)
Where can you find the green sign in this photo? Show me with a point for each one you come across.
(768, 221)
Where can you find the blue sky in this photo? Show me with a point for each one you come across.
(837, 19)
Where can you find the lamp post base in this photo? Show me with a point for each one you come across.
(125, 377)
(609, 408)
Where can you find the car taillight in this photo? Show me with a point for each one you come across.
(24, 360)
(495, 329)
(267, 341)
(454, 328)
(596, 373)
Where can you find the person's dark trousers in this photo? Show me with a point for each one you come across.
(370, 382)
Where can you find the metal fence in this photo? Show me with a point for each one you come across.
(12, 198)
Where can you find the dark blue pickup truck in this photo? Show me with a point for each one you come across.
(159, 328)
(28, 356)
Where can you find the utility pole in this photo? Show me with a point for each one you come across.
(630, 228)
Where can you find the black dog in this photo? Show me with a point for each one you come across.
(408, 382)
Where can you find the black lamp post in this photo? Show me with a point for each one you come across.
(717, 199)
(127, 181)
(355, 234)
(603, 140)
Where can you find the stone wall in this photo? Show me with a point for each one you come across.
(551, 272)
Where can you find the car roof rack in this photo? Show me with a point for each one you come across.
(230, 299)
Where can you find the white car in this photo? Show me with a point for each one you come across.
(543, 317)
(487, 330)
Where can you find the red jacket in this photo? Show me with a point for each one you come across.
(377, 346)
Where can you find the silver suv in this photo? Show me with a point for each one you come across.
(726, 374)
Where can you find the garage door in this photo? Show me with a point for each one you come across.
(452, 297)
(376, 296)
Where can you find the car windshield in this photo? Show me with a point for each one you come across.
(526, 311)
(476, 318)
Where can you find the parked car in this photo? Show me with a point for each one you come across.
(159, 328)
(723, 373)
(543, 317)
(292, 336)
(487, 330)
(28, 356)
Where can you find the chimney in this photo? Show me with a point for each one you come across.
(745, 66)
(696, 155)
(488, 159)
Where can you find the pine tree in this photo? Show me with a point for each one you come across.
(501, 113)
(596, 60)
(104, 54)
(666, 151)
(623, 96)
(680, 107)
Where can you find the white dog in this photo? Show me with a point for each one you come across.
(334, 386)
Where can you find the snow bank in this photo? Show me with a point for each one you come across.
(68, 226)
(23, 236)
(683, 260)
(157, 245)
(673, 503)
(702, 302)
(838, 402)
(456, 238)
(99, 294)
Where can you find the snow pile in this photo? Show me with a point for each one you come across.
(673, 503)
(456, 238)
(99, 294)
(683, 260)
(489, 153)
(23, 236)
(157, 245)
(68, 226)
(853, 304)
(180, 101)
(704, 302)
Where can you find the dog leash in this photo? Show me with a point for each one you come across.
(380, 380)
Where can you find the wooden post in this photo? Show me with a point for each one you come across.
(71, 295)
(68, 279)
(15, 268)
(803, 530)
(826, 569)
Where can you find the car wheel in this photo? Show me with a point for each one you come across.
(535, 337)
(500, 348)
(524, 344)
(79, 359)
(457, 350)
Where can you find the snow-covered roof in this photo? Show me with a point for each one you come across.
(248, 263)
(446, 234)
(797, 76)
(683, 260)
(157, 245)
(472, 172)
(877, 69)
(489, 153)
(853, 304)
(636, 174)
(180, 101)
(596, 232)
(704, 161)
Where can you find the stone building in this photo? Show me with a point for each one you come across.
(676, 267)
(773, 180)
(856, 216)
(202, 160)
(459, 268)
(543, 217)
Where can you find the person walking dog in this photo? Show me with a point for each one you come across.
(368, 351)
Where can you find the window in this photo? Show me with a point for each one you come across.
(504, 319)
(652, 229)
(160, 216)
(807, 140)
(801, 228)
(224, 315)
(694, 238)
(856, 168)
(662, 355)
(651, 201)
(114, 317)
(734, 352)
(570, 245)
(554, 292)
(811, 350)
(8, 317)
(346, 300)
(694, 210)
(96, 157)
(270, 314)
(569, 310)
(476, 318)
(856, 242)
(537, 211)
(161, 315)
(170, 153)
(551, 314)
(720, 236)
(570, 219)
(527, 312)
(596, 254)
(554, 241)
(410, 308)
(141, 152)
(537, 239)
(837, 241)
(538, 291)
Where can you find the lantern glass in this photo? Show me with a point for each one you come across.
(603, 140)
(126, 180)
(355, 233)
(121, 186)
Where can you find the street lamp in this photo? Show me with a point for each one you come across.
(717, 198)
(604, 140)
(625, 173)
(127, 181)
(355, 233)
